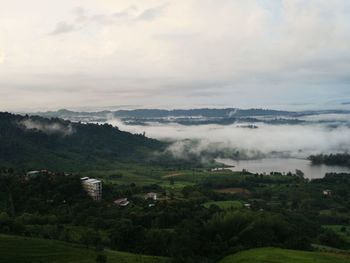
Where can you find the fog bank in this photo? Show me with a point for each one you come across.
(48, 128)
(284, 140)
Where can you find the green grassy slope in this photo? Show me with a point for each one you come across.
(276, 255)
(29, 250)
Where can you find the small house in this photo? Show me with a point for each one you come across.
(151, 196)
(327, 193)
(247, 205)
(33, 174)
(121, 202)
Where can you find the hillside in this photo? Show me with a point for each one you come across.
(36, 142)
(276, 255)
(28, 250)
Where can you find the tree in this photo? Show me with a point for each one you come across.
(8, 185)
(332, 239)
(87, 238)
(101, 258)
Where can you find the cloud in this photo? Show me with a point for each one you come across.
(242, 53)
(83, 19)
(62, 28)
(151, 13)
(48, 128)
(2, 57)
(285, 140)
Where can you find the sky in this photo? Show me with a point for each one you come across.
(174, 54)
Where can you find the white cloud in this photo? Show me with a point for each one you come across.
(2, 57)
(48, 128)
(185, 49)
(289, 140)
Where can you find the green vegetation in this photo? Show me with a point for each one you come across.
(224, 204)
(34, 142)
(198, 217)
(342, 230)
(341, 159)
(199, 214)
(28, 250)
(275, 255)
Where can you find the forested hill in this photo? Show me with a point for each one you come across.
(37, 142)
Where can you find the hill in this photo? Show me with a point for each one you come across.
(276, 255)
(29, 250)
(32, 141)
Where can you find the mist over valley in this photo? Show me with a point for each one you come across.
(281, 140)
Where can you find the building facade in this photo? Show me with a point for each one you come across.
(93, 187)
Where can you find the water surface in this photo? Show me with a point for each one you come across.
(284, 165)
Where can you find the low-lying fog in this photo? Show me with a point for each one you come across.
(297, 141)
(281, 148)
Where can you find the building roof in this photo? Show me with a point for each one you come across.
(33, 172)
(91, 181)
(120, 200)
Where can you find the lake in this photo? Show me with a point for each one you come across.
(283, 165)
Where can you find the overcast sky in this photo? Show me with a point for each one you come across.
(181, 53)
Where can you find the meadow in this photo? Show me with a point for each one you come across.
(27, 250)
(276, 255)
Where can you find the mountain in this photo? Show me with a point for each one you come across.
(204, 112)
(206, 116)
(37, 142)
(202, 116)
(160, 113)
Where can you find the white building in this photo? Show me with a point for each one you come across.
(151, 196)
(327, 193)
(93, 187)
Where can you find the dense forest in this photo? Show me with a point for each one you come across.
(341, 159)
(56, 144)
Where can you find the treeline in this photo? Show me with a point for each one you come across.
(56, 207)
(341, 159)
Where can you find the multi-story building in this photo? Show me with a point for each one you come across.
(93, 187)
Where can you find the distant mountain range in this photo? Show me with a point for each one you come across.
(202, 116)
(159, 113)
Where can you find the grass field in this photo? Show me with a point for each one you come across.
(224, 204)
(15, 249)
(276, 255)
